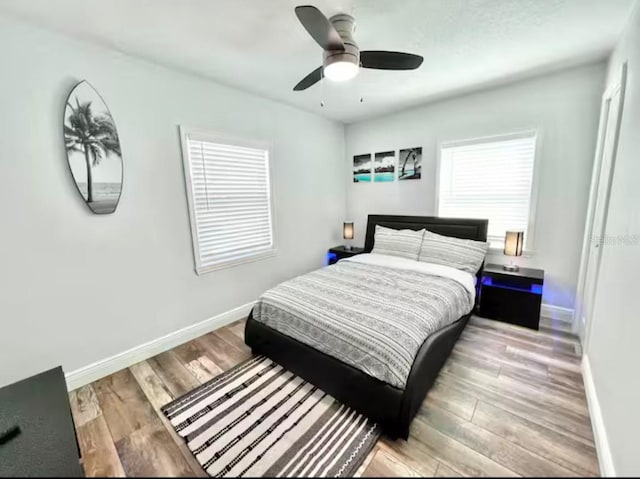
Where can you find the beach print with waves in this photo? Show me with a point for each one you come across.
(385, 166)
(362, 168)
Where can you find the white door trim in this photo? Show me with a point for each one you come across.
(609, 94)
(605, 460)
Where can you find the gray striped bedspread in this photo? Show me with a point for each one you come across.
(369, 311)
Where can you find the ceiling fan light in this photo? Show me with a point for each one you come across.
(341, 71)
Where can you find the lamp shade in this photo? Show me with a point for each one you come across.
(347, 230)
(513, 243)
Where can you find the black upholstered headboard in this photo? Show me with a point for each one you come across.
(457, 227)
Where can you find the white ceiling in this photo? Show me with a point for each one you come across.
(259, 46)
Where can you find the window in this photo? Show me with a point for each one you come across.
(492, 179)
(229, 196)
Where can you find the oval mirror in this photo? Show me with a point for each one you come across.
(93, 149)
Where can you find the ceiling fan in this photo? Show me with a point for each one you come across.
(341, 56)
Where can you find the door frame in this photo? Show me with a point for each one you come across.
(579, 327)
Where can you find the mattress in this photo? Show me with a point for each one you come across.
(370, 311)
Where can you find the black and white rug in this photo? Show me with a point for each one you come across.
(258, 419)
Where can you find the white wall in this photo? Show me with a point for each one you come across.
(76, 287)
(612, 345)
(563, 107)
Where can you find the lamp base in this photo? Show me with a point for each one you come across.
(348, 247)
(511, 267)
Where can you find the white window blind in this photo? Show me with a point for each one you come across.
(489, 179)
(229, 195)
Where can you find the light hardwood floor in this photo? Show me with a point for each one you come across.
(509, 401)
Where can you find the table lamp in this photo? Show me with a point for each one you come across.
(513, 243)
(347, 233)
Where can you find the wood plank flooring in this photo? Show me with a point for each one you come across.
(508, 402)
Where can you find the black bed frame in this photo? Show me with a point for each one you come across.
(391, 407)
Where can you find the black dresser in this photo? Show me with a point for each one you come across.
(46, 444)
(511, 296)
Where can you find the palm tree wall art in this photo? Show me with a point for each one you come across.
(93, 149)
(410, 164)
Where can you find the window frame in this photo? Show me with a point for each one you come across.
(202, 134)
(529, 246)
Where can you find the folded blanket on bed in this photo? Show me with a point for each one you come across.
(370, 311)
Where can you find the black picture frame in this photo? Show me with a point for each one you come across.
(90, 130)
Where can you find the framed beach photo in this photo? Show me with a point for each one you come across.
(93, 149)
(410, 164)
(385, 166)
(362, 168)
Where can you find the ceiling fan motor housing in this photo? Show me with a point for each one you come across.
(345, 26)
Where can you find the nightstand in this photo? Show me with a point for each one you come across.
(337, 253)
(511, 296)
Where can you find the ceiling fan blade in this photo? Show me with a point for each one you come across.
(382, 60)
(319, 27)
(311, 79)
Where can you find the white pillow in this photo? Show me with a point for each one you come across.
(463, 254)
(402, 243)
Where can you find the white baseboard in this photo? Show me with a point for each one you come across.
(605, 460)
(557, 313)
(104, 367)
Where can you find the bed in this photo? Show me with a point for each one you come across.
(392, 403)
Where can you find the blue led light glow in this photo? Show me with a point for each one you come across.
(535, 288)
(331, 258)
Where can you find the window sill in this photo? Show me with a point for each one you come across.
(200, 270)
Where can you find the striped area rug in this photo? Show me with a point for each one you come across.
(258, 419)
